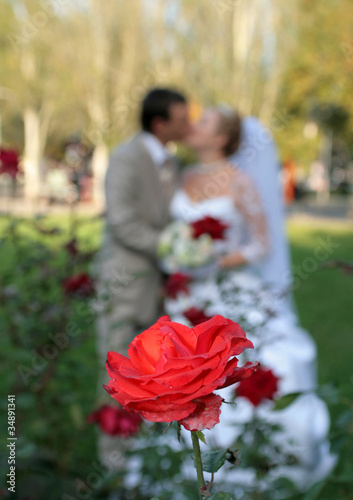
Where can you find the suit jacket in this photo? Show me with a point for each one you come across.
(137, 209)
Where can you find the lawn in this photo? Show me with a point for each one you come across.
(56, 445)
(324, 298)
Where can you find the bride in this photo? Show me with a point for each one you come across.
(215, 188)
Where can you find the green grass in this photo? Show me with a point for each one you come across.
(325, 299)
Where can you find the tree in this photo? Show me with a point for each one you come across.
(34, 78)
(319, 73)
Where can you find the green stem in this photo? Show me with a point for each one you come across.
(198, 462)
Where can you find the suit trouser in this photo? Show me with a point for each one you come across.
(115, 332)
(121, 296)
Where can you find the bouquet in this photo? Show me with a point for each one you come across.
(178, 249)
(187, 247)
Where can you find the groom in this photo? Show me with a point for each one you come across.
(140, 181)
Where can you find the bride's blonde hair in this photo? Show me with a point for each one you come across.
(230, 125)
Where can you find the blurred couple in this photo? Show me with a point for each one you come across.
(144, 191)
(235, 180)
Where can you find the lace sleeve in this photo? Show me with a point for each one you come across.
(248, 202)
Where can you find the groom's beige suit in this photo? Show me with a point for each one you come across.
(139, 183)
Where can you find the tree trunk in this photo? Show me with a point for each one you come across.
(99, 167)
(33, 148)
(323, 196)
(244, 31)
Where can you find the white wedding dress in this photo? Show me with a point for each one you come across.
(280, 344)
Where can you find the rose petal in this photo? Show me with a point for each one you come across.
(236, 374)
(183, 335)
(146, 346)
(129, 387)
(206, 414)
(115, 361)
(159, 412)
(207, 332)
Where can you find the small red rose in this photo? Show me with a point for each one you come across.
(209, 225)
(9, 162)
(177, 283)
(71, 247)
(263, 385)
(81, 285)
(195, 316)
(172, 371)
(115, 421)
(348, 268)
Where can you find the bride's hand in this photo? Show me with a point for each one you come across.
(231, 260)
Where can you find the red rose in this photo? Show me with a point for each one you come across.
(263, 385)
(172, 371)
(9, 162)
(348, 268)
(71, 247)
(115, 421)
(208, 225)
(80, 284)
(195, 316)
(176, 283)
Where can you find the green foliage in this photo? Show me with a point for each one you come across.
(212, 461)
(317, 78)
(48, 350)
(201, 436)
(285, 401)
(56, 447)
(330, 117)
(46, 334)
(221, 496)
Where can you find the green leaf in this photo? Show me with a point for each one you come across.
(201, 436)
(344, 420)
(285, 401)
(221, 496)
(344, 479)
(212, 461)
(314, 492)
(25, 400)
(329, 393)
(76, 415)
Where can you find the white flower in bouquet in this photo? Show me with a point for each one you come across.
(168, 237)
(178, 249)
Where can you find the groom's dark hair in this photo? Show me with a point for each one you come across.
(157, 104)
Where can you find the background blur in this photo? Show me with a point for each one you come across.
(72, 74)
